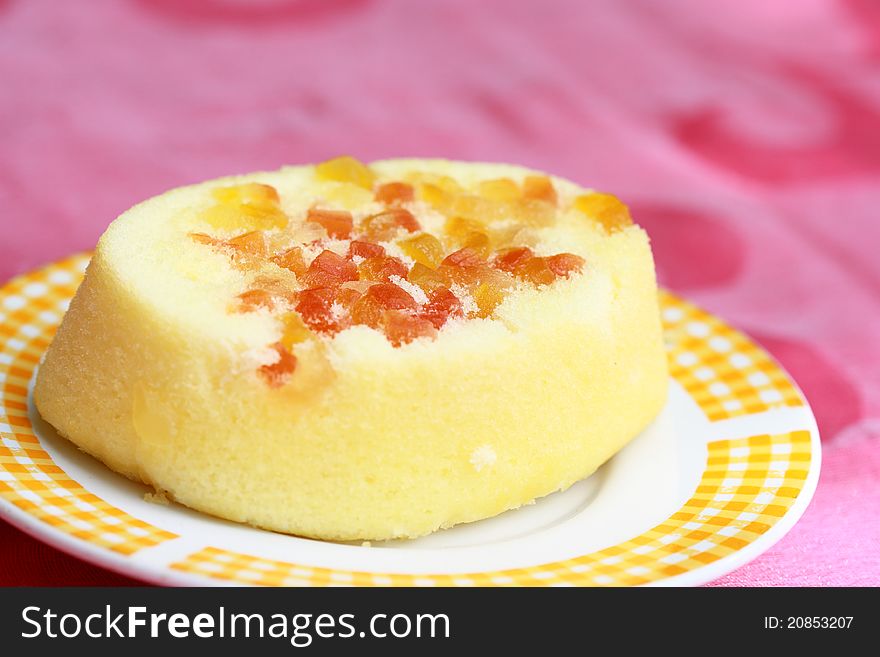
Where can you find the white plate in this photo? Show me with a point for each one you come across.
(723, 473)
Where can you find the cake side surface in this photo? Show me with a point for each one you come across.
(153, 375)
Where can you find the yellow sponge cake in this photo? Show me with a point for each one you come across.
(351, 351)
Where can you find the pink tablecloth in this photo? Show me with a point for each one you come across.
(745, 133)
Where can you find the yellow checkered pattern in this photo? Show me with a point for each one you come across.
(31, 308)
(722, 370)
(748, 485)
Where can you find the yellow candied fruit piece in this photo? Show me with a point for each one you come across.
(487, 298)
(460, 228)
(249, 193)
(534, 212)
(346, 169)
(606, 209)
(294, 330)
(516, 235)
(499, 189)
(480, 209)
(347, 195)
(426, 278)
(425, 249)
(479, 242)
(434, 196)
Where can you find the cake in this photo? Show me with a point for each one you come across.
(361, 352)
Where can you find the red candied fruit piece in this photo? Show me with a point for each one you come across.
(401, 327)
(466, 257)
(314, 306)
(395, 192)
(337, 223)
(511, 260)
(382, 268)
(364, 249)
(291, 259)
(563, 264)
(277, 374)
(442, 304)
(370, 308)
(328, 270)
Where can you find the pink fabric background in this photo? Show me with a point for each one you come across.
(745, 134)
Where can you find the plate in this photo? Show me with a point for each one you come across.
(722, 474)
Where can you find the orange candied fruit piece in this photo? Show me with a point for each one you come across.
(607, 209)
(346, 169)
(537, 272)
(499, 189)
(337, 223)
(442, 304)
(364, 249)
(329, 269)
(564, 264)
(203, 238)
(401, 328)
(381, 268)
(395, 192)
(252, 243)
(252, 300)
(540, 188)
(425, 249)
(315, 308)
(426, 278)
(510, 260)
(385, 225)
(465, 257)
(370, 308)
(278, 373)
(291, 259)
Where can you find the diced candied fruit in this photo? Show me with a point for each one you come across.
(365, 249)
(563, 264)
(251, 205)
(426, 278)
(381, 268)
(480, 243)
(314, 306)
(480, 209)
(424, 248)
(347, 296)
(442, 304)
(252, 300)
(534, 212)
(294, 330)
(540, 188)
(435, 196)
(250, 193)
(291, 259)
(278, 373)
(401, 328)
(487, 298)
(392, 297)
(465, 257)
(385, 225)
(536, 272)
(395, 192)
(202, 238)
(329, 269)
(499, 189)
(346, 195)
(607, 209)
(367, 311)
(512, 259)
(337, 223)
(252, 243)
(458, 229)
(346, 169)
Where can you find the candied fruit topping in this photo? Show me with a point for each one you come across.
(564, 264)
(381, 268)
(337, 223)
(540, 188)
(425, 249)
(329, 269)
(395, 192)
(401, 328)
(346, 169)
(291, 259)
(486, 247)
(385, 225)
(251, 206)
(278, 373)
(363, 249)
(606, 209)
(442, 304)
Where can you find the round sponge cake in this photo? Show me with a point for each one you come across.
(346, 351)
